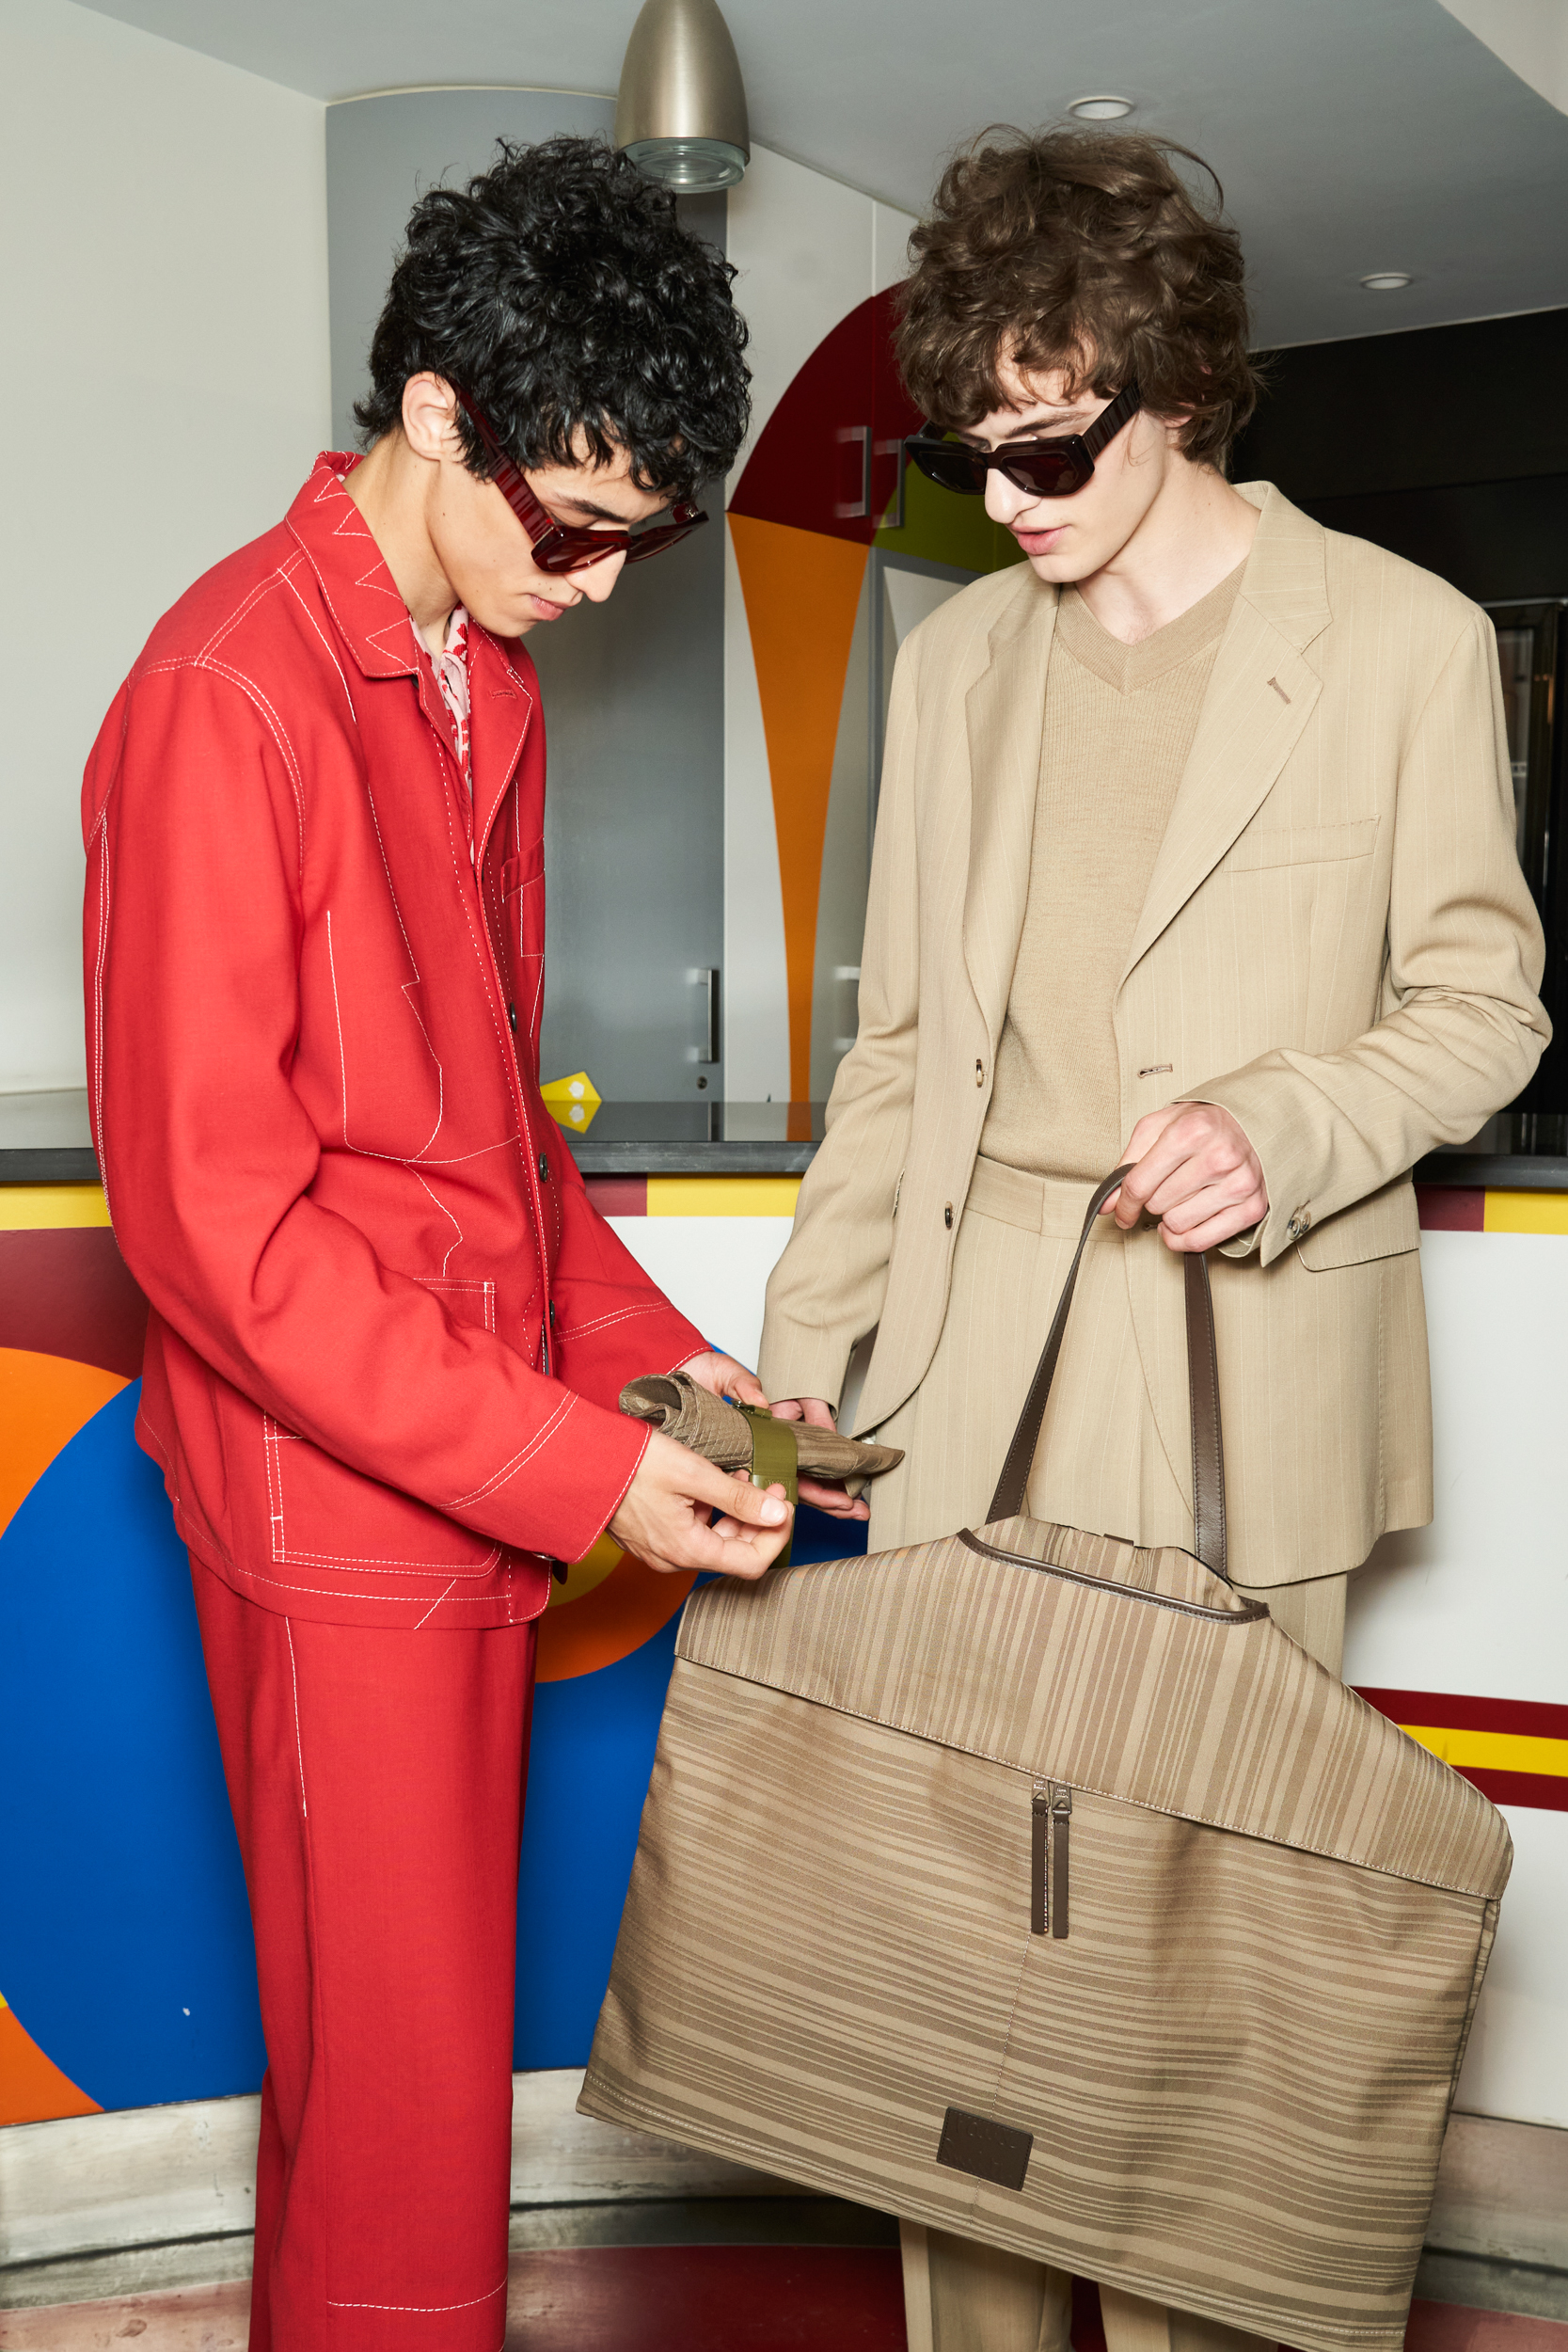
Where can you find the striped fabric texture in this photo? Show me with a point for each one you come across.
(1070, 1852)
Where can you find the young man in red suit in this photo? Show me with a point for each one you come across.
(388, 1331)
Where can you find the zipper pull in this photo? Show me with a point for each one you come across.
(1040, 1837)
(1061, 1822)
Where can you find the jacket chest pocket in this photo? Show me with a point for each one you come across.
(1268, 848)
(523, 943)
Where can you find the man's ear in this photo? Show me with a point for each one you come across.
(428, 418)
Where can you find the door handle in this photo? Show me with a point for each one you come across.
(709, 978)
(851, 511)
(897, 452)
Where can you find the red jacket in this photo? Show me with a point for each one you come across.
(387, 1330)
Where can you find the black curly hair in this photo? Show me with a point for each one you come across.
(561, 292)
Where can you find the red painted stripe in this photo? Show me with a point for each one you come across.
(1451, 1209)
(1544, 1792)
(1448, 1710)
(618, 1196)
(64, 1290)
(707, 2298)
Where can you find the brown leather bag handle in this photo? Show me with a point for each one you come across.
(1203, 1392)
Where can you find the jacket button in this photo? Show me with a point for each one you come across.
(979, 1073)
(511, 1018)
(544, 1169)
(948, 1215)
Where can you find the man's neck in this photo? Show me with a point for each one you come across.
(1194, 536)
(390, 487)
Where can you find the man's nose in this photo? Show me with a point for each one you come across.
(1004, 501)
(597, 580)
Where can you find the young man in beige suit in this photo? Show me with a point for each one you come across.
(1195, 851)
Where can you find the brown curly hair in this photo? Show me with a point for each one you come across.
(1083, 250)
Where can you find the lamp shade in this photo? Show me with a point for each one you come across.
(681, 111)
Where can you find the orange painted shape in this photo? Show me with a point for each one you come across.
(610, 1621)
(32, 2088)
(802, 591)
(44, 1400)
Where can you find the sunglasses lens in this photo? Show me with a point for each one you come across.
(1049, 473)
(949, 465)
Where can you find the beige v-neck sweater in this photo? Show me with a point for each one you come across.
(1119, 722)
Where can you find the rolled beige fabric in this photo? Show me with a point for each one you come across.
(720, 1432)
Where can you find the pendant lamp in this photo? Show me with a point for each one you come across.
(680, 114)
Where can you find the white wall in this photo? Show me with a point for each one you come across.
(164, 391)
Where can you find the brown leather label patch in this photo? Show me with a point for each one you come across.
(978, 2144)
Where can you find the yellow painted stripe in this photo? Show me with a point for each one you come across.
(1494, 1751)
(1526, 1213)
(33, 1208)
(722, 1196)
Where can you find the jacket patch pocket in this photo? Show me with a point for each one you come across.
(1300, 845)
(326, 1515)
(465, 1302)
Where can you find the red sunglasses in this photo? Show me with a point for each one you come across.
(556, 548)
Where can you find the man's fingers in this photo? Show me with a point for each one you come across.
(1229, 1189)
(742, 1552)
(787, 1409)
(1222, 1227)
(747, 1388)
(832, 1499)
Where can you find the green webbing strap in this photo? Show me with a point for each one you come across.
(774, 1457)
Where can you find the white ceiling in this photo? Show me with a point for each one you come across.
(1352, 135)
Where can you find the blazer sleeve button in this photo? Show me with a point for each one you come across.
(948, 1215)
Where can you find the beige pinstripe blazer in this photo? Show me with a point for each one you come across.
(1337, 946)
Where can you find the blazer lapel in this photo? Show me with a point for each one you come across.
(1261, 697)
(1005, 717)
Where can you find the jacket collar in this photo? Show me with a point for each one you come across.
(377, 628)
(360, 592)
(1260, 695)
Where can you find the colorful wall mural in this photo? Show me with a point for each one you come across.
(824, 492)
(125, 1957)
(126, 1974)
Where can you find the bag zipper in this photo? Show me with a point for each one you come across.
(1061, 1822)
(1050, 1829)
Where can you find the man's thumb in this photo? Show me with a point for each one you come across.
(769, 1509)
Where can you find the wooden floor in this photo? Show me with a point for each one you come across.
(676, 2299)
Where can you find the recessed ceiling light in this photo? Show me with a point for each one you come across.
(1100, 109)
(1387, 280)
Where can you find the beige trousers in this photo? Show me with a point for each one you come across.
(1100, 1465)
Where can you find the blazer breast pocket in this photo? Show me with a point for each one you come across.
(1300, 845)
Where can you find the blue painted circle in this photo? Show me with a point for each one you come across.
(125, 1944)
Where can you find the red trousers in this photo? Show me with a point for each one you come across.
(376, 1778)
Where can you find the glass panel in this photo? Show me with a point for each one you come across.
(1516, 659)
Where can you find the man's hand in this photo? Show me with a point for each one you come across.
(1196, 1172)
(724, 1375)
(818, 1414)
(663, 1515)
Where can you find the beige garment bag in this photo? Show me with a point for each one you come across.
(1039, 1887)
